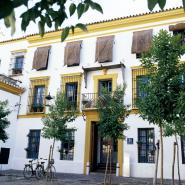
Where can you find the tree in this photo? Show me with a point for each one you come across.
(112, 114)
(161, 102)
(4, 123)
(55, 122)
(54, 12)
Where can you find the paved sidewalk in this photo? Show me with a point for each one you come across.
(16, 178)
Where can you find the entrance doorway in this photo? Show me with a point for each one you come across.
(100, 150)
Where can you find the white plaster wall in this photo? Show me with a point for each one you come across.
(121, 53)
(11, 130)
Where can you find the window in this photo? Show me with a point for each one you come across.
(181, 33)
(105, 85)
(139, 78)
(33, 144)
(146, 145)
(71, 93)
(71, 85)
(183, 149)
(18, 65)
(37, 94)
(38, 99)
(67, 146)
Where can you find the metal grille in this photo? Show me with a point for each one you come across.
(183, 149)
(67, 146)
(146, 145)
(138, 76)
(37, 94)
(71, 86)
(33, 144)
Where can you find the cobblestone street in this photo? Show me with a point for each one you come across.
(16, 178)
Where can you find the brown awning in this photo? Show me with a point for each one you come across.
(40, 61)
(141, 41)
(177, 27)
(72, 53)
(104, 49)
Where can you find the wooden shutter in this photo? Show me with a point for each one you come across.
(141, 41)
(104, 49)
(40, 61)
(72, 53)
(177, 27)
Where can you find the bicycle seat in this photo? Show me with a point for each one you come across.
(42, 162)
(30, 161)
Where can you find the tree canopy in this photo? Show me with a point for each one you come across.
(54, 12)
(4, 123)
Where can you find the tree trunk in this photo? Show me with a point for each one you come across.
(49, 158)
(107, 163)
(173, 164)
(156, 163)
(53, 148)
(178, 164)
(161, 143)
(110, 161)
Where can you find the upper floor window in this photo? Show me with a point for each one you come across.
(72, 53)
(104, 49)
(41, 57)
(105, 85)
(67, 146)
(146, 145)
(33, 144)
(72, 94)
(17, 62)
(178, 29)
(141, 42)
(71, 86)
(37, 94)
(183, 149)
(139, 79)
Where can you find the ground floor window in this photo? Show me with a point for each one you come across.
(67, 146)
(33, 144)
(183, 149)
(146, 145)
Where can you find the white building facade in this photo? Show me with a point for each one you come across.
(106, 56)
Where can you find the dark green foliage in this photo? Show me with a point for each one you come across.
(163, 104)
(46, 13)
(4, 123)
(112, 113)
(55, 122)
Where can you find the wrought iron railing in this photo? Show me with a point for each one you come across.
(10, 81)
(89, 100)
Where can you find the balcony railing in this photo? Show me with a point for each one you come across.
(10, 81)
(89, 100)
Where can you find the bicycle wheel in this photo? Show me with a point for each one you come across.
(51, 172)
(39, 172)
(28, 172)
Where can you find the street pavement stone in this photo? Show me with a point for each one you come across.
(16, 178)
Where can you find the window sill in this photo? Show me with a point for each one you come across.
(134, 111)
(32, 115)
(15, 75)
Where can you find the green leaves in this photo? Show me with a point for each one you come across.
(82, 27)
(65, 33)
(10, 22)
(41, 28)
(80, 9)
(183, 2)
(72, 9)
(153, 3)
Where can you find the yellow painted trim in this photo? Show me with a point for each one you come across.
(96, 79)
(35, 81)
(35, 115)
(11, 89)
(19, 51)
(111, 25)
(73, 77)
(40, 78)
(93, 116)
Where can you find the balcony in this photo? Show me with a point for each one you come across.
(89, 100)
(10, 81)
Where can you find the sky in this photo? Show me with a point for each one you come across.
(112, 9)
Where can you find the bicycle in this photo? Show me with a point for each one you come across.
(49, 172)
(29, 171)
